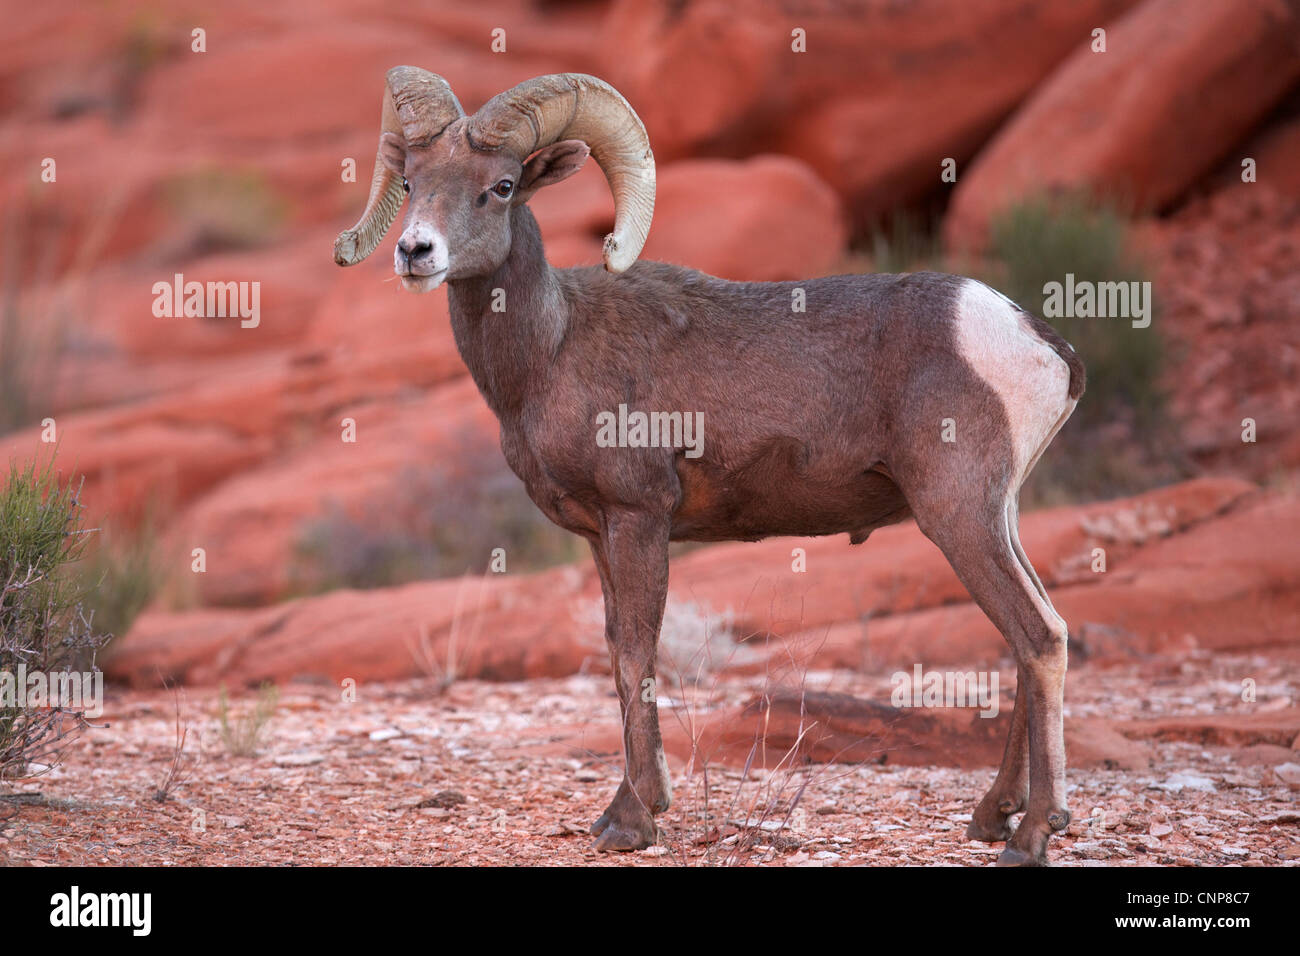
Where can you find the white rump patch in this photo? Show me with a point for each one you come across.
(1030, 379)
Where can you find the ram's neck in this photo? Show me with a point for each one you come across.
(509, 325)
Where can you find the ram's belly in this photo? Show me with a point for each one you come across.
(773, 499)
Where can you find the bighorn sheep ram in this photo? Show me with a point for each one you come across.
(820, 421)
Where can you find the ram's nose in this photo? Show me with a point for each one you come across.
(413, 248)
(421, 251)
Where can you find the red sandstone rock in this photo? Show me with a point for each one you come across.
(766, 218)
(883, 94)
(1176, 87)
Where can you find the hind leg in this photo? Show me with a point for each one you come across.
(968, 438)
(976, 540)
(1010, 790)
(991, 820)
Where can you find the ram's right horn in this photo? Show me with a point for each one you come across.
(417, 106)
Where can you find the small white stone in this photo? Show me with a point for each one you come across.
(299, 760)
(1185, 781)
(1288, 773)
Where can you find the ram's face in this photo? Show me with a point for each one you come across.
(462, 175)
(457, 221)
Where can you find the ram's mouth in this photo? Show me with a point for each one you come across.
(418, 283)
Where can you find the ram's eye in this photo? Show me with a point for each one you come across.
(504, 188)
(406, 185)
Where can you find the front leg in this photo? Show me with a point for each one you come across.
(632, 558)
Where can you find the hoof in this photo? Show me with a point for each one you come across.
(625, 824)
(616, 838)
(991, 822)
(986, 834)
(1013, 857)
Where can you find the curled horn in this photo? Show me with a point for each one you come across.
(547, 109)
(417, 106)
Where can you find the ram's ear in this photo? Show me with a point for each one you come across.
(392, 151)
(552, 164)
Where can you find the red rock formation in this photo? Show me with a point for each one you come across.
(1175, 88)
(766, 218)
(883, 94)
(1229, 275)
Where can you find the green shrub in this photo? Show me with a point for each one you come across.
(120, 576)
(42, 623)
(243, 734)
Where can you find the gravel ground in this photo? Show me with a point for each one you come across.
(493, 774)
